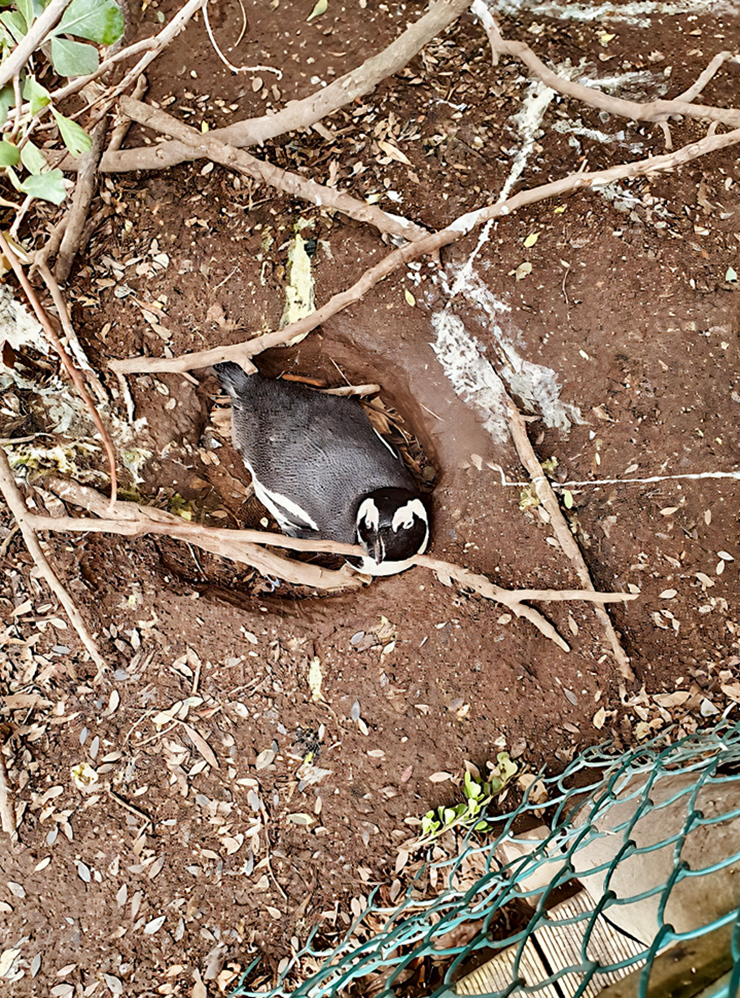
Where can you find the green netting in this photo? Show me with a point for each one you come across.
(654, 836)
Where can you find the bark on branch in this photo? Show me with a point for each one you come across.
(291, 183)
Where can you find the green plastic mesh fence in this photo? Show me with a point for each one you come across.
(593, 874)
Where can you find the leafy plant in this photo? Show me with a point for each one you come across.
(23, 107)
(470, 812)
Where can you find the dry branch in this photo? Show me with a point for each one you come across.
(242, 352)
(40, 28)
(14, 499)
(67, 363)
(291, 183)
(655, 111)
(303, 113)
(82, 198)
(549, 501)
(246, 546)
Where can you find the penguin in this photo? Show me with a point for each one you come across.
(322, 470)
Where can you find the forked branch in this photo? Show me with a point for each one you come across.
(241, 353)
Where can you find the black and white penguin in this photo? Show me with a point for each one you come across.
(321, 469)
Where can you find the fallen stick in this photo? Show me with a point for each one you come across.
(571, 550)
(302, 113)
(14, 499)
(241, 353)
(69, 367)
(291, 183)
(245, 545)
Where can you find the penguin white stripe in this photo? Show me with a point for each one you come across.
(385, 443)
(286, 512)
(404, 515)
(369, 512)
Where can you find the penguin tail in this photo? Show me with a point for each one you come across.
(232, 377)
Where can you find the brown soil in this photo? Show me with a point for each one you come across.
(626, 302)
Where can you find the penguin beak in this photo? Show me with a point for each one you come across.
(375, 548)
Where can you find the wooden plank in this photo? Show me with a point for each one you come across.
(682, 971)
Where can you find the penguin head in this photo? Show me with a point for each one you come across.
(392, 527)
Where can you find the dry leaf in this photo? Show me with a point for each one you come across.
(731, 690)
(440, 777)
(394, 152)
(599, 718)
(668, 700)
(314, 679)
(202, 745)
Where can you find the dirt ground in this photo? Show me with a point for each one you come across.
(234, 808)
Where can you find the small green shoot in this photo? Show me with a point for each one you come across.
(470, 813)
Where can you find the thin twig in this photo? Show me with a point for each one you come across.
(222, 57)
(242, 352)
(52, 244)
(14, 499)
(567, 541)
(70, 368)
(129, 807)
(69, 331)
(301, 114)
(120, 131)
(165, 36)
(7, 818)
(283, 180)
(696, 88)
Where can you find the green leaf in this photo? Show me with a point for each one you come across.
(12, 176)
(75, 138)
(25, 8)
(506, 767)
(731, 274)
(32, 158)
(568, 498)
(9, 154)
(73, 58)
(100, 21)
(47, 186)
(318, 10)
(7, 100)
(38, 96)
(15, 24)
